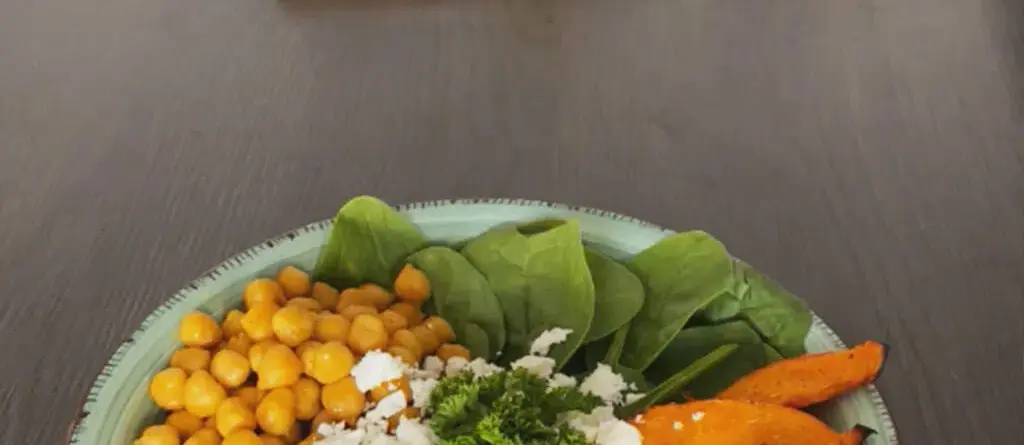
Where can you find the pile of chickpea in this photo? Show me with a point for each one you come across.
(272, 374)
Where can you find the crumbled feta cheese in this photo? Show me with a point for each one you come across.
(617, 432)
(590, 423)
(455, 365)
(560, 380)
(539, 366)
(433, 364)
(387, 406)
(604, 383)
(421, 390)
(542, 345)
(413, 432)
(480, 368)
(338, 435)
(677, 425)
(375, 368)
(633, 397)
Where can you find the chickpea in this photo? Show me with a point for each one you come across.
(307, 399)
(242, 437)
(326, 295)
(393, 321)
(408, 340)
(384, 389)
(191, 359)
(250, 395)
(263, 291)
(240, 343)
(441, 328)
(367, 334)
(230, 368)
(258, 322)
(185, 422)
(412, 285)
(331, 362)
(428, 339)
(306, 303)
(380, 297)
(350, 312)
(161, 434)
(403, 354)
(232, 324)
(269, 439)
(203, 394)
(448, 350)
(342, 400)
(199, 330)
(279, 367)
(294, 281)
(276, 412)
(321, 418)
(167, 389)
(293, 325)
(358, 297)
(205, 436)
(413, 315)
(407, 413)
(331, 327)
(234, 414)
(307, 354)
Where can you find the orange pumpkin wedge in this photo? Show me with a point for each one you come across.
(803, 381)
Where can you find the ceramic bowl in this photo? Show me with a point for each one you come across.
(117, 406)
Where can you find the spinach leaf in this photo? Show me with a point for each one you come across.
(781, 318)
(695, 342)
(618, 295)
(461, 296)
(681, 274)
(675, 384)
(541, 280)
(368, 242)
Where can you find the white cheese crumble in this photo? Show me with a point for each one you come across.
(543, 343)
(541, 367)
(421, 390)
(590, 423)
(605, 384)
(387, 406)
(617, 433)
(433, 365)
(455, 365)
(413, 432)
(480, 368)
(634, 396)
(375, 368)
(560, 380)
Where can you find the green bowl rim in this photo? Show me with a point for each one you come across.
(81, 416)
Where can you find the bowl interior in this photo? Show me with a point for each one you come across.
(117, 406)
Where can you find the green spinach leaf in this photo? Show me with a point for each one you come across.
(781, 318)
(618, 295)
(461, 296)
(368, 242)
(681, 274)
(541, 280)
(695, 342)
(675, 384)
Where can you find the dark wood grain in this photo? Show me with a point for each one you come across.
(866, 153)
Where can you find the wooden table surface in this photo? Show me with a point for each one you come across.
(866, 153)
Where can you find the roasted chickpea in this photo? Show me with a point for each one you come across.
(408, 340)
(250, 395)
(205, 436)
(307, 355)
(257, 351)
(203, 394)
(293, 325)
(161, 434)
(321, 418)
(234, 414)
(258, 322)
(367, 334)
(331, 362)
(307, 399)
(306, 303)
(407, 413)
(413, 315)
(279, 367)
(428, 339)
(184, 422)
(199, 330)
(393, 321)
(242, 437)
(270, 439)
(380, 297)
(441, 328)
(350, 312)
(263, 291)
(357, 297)
(167, 389)
(384, 389)
(232, 324)
(342, 400)
(230, 368)
(191, 359)
(412, 285)
(403, 354)
(326, 295)
(448, 350)
(240, 343)
(331, 327)
(276, 412)
(294, 281)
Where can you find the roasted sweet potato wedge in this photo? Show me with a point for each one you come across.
(731, 422)
(803, 381)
